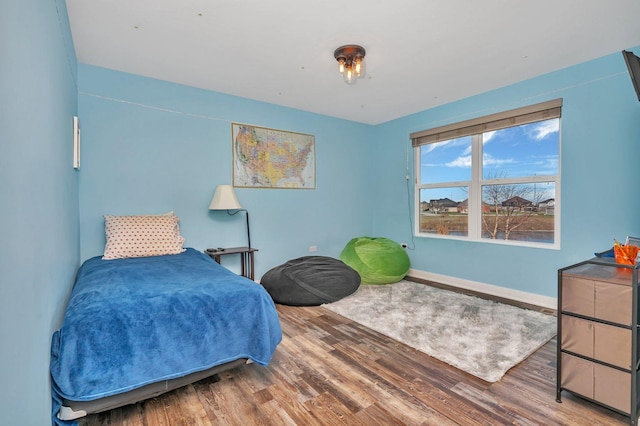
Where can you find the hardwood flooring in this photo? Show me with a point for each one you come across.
(329, 370)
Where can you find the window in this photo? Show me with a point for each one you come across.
(493, 179)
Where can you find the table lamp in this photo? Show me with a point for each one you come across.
(225, 199)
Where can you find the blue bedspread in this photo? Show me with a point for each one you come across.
(131, 322)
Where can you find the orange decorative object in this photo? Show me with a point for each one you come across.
(625, 254)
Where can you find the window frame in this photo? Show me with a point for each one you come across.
(475, 128)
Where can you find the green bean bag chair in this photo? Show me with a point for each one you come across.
(377, 260)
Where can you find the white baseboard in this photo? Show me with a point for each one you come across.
(494, 290)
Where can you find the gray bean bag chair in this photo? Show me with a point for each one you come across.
(310, 281)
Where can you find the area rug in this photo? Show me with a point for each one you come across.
(482, 337)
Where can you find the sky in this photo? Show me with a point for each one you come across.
(520, 151)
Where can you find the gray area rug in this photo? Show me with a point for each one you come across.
(481, 337)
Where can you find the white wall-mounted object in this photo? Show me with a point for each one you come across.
(76, 142)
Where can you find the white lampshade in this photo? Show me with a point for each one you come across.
(224, 199)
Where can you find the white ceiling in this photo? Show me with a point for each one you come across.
(420, 53)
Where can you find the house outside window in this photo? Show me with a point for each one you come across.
(492, 179)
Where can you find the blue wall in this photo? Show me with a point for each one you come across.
(39, 220)
(600, 137)
(150, 146)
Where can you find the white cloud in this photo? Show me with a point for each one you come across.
(464, 162)
(488, 160)
(487, 136)
(547, 164)
(446, 144)
(425, 149)
(544, 128)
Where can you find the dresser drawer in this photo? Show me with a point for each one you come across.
(577, 336)
(612, 345)
(603, 342)
(598, 382)
(578, 296)
(596, 299)
(613, 302)
(611, 387)
(577, 375)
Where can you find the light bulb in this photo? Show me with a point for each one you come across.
(349, 75)
(359, 67)
(341, 65)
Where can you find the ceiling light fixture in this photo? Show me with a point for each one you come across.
(351, 62)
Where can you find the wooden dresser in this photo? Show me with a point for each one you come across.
(598, 334)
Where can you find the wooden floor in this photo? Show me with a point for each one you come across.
(330, 371)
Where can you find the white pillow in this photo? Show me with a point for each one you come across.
(141, 236)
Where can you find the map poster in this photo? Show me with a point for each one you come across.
(269, 158)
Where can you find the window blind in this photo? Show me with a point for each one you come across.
(515, 117)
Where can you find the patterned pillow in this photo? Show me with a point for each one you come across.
(141, 236)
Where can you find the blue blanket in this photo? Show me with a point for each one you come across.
(131, 322)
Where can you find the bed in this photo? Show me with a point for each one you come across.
(138, 327)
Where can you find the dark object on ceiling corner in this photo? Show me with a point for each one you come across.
(633, 65)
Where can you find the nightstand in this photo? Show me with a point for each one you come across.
(246, 258)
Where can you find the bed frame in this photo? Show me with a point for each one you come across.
(72, 410)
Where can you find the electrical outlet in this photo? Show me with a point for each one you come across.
(404, 245)
(313, 249)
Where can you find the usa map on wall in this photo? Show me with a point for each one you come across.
(268, 158)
